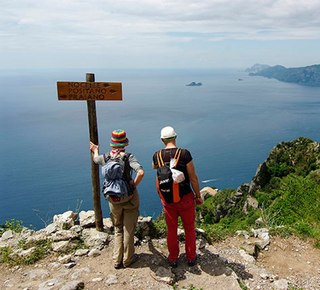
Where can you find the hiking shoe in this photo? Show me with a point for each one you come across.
(118, 265)
(134, 259)
(173, 264)
(192, 263)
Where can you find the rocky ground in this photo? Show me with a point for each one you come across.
(284, 264)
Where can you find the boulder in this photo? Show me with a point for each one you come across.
(87, 219)
(65, 220)
(208, 191)
(94, 238)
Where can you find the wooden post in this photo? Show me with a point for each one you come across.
(93, 133)
(91, 91)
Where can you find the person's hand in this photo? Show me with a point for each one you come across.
(198, 200)
(132, 183)
(93, 147)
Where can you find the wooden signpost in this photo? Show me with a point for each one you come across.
(91, 91)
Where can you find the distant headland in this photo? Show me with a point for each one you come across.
(194, 84)
(306, 76)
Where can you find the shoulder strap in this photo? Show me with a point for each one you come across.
(123, 157)
(176, 157)
(106, 157)
(127, 168)
(126, 155)
(159, 159)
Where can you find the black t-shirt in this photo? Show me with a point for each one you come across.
(184, 159)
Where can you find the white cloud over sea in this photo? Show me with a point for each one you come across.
(154, 33)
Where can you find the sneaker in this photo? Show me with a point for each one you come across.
(118, 265)
(191, 263)
(173, 264)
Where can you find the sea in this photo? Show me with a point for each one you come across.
(229, 124)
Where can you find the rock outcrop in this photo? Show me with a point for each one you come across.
(71, 267)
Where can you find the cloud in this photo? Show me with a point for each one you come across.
(154, 16)
(145, 25)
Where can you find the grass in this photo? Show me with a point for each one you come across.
(295, 205)
(243, 285)
(40, 249)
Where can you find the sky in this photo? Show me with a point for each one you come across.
(158, 33)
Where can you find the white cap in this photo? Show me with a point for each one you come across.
(167, 133)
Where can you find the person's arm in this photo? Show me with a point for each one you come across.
(95, 150)
(138, 178)
(135, 165)
(194, 181)
(154, 161)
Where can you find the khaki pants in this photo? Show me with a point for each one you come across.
(124, 217)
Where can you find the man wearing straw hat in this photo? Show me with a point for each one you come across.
(124, 213)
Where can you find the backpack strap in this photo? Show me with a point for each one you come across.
(106, 157)
(176, 157)
(127, 173)
(124, 157)
(127, 168)
(159, 159)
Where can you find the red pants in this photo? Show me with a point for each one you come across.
(186, 210)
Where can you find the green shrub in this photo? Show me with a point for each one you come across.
(41, 250)
(215, 233)
(5, 254)
(280, 169)
(273, 184)
(298, 199)
(292, 208)
(288, 204)
(210, 211)
(300, 157)
(14, 225)
(158, 227)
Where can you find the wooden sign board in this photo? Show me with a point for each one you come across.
(81, 91)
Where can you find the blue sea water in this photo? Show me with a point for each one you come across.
(229, 125)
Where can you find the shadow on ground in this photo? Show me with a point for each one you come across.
(207, 262)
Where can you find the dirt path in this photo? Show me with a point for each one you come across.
(220, 266)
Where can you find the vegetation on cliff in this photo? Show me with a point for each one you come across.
(284, 196)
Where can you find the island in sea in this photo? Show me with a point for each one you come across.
(194, 84)
(306, 76)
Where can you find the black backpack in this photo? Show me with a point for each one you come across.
(117, 176)
(168, 190)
